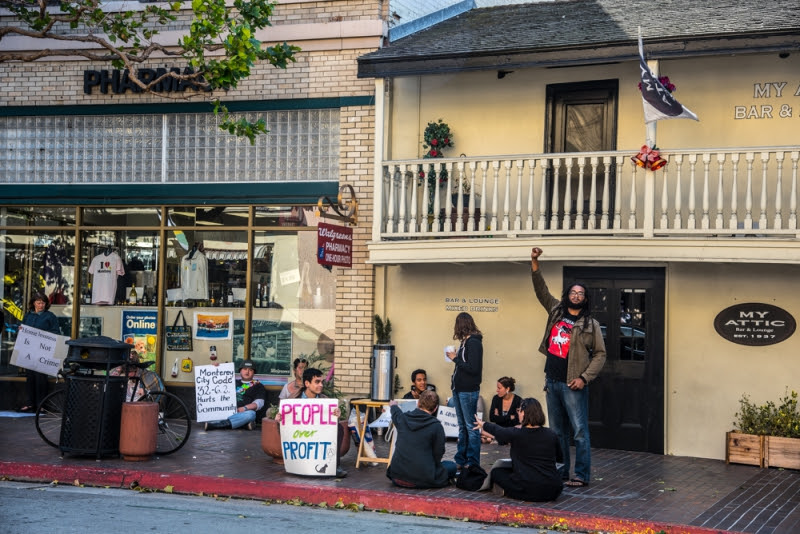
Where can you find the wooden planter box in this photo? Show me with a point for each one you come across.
(745, 449)
(763, 451)
(782, 452)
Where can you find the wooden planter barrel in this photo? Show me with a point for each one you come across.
(271, 439)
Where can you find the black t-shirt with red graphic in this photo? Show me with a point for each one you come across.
(555, 368)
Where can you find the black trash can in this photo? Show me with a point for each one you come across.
(93, 404)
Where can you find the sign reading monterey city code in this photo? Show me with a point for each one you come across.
(755, 324)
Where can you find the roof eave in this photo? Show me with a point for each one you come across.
(389, 67)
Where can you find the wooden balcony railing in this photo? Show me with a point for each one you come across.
(702, 192)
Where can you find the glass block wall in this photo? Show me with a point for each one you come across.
(303, 145)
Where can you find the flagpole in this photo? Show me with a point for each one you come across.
(649, 127)
(648, 215)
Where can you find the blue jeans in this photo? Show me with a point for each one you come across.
(469, 440)
(240, 419)
(569, 410)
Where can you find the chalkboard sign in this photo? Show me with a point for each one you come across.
(215, 391)
(755, 324)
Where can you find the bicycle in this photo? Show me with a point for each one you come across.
(174, 423)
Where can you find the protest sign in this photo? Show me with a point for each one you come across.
(308, 436)
(215, 391)
(39, 350)
(447, 416)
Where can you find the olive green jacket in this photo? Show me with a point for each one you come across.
(587, 350)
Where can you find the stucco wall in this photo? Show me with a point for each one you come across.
(705, 374)
(488, 115)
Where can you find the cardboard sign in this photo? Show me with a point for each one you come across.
(447, 416)
(308, 436)
(39, 350)
(385, 419)
(334, 245)
(215, 391)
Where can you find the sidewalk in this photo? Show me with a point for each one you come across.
(630, 492)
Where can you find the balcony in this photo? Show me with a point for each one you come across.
(735, 204)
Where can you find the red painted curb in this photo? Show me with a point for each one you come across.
(474, 510)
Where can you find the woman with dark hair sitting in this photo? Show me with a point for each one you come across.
(534, 452)
(504, 407)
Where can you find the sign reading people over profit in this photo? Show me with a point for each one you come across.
(334, 245)
(39, 350)
(308, 436)
(755, 324)
(215, 391)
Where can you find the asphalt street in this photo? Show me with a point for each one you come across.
(73, 509)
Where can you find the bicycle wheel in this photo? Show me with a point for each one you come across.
(174, 424)
(49, 417)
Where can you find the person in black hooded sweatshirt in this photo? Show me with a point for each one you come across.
(417, 459)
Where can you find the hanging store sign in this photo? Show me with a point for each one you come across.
(119, 81)
(334, 245)
(755, 324)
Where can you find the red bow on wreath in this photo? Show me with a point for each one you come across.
(649, 158)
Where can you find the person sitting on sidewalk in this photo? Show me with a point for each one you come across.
(312, 389)
(419, 383)
(533, 475)
(251, 397)
(417, 459)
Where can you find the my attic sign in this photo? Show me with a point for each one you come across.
(754, 324)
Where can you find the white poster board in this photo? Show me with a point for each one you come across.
(308, 436)
(215, 391)
(385, 419)
(447, 416)
(39, 350)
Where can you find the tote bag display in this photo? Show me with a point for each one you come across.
(179, 336)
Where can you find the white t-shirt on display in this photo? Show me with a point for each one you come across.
(105, 269)
(194, 276)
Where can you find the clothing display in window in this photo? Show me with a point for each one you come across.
(105, 268)
(194, 275)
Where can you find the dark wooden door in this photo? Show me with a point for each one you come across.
(581, 117)
(626, 402)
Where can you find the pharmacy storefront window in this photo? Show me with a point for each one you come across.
(34, 261)
(294, 307)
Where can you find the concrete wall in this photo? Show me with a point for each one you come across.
(488, 115)
(705, 374)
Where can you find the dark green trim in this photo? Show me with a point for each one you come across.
(157, 194)
(192, 107)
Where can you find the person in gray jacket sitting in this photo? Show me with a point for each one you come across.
(417, 459)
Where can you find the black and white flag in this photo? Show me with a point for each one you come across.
(659, 104)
